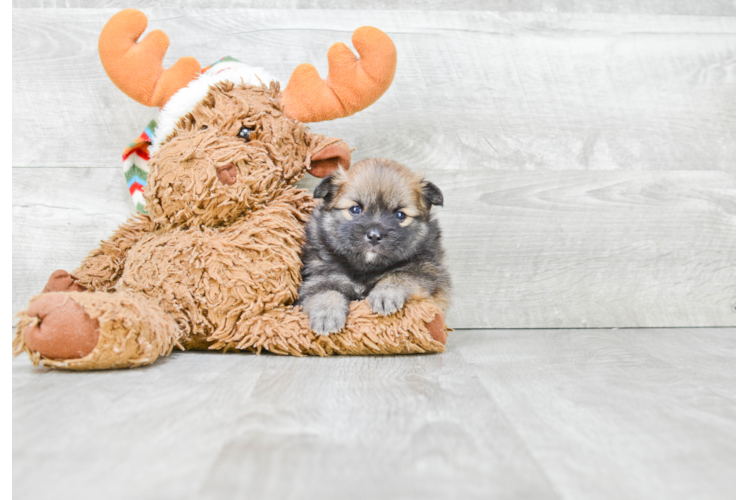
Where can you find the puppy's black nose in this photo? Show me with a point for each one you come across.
(373, 236)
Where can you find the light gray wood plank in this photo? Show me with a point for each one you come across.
(569, 414)
(680, 7)
(269, 427)
(148, 433)
(502, 90)
(618, 414)
(529, 244)
(393, 428)
(590, 249)
(525, 250)
(59, 216)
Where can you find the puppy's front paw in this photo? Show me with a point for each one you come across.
(327, 312)
(387, 299)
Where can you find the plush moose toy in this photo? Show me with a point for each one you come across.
(213, 259)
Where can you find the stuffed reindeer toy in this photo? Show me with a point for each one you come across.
(212, 261)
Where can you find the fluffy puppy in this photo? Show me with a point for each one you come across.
(372, 236)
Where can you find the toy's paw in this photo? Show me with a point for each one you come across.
(386, 299)
(61, 328)
(437, 329)
(62, 281)
(327, 312)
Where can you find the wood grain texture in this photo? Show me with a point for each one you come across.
(223, 427)
(587, 158)
(573, 414)
(60, 215)
(430, 430)
(519, 91)
(561, 249)
(680, 7)
(618, 414)
(572, 249)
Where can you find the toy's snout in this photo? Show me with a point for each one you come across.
(226, 173)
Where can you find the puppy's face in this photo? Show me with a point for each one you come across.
(377, 213)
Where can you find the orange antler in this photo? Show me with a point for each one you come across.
(352, 84)
(136, 68)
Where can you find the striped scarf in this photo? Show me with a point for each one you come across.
(135, 163)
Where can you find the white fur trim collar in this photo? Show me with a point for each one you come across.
(185, 99)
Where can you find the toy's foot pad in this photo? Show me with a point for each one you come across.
(62, 281)
(437, 330)
(61, 328)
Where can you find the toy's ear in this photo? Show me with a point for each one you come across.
(432, 195)
(329, 159)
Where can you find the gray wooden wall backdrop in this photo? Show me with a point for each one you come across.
(586, 150)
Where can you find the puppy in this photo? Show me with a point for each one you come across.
(372, 236)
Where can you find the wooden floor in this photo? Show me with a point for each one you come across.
(571, 414)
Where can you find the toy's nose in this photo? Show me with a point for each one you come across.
(374, 236)
(226, 173)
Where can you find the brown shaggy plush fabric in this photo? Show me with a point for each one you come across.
(216, 263)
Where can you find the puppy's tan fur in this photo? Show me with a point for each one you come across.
(344, 262)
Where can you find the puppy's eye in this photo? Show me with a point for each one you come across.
(355, 210)
(246, 133)
(399, 215)
(204, 127)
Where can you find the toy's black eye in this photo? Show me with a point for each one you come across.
(246, 133)
(355, 210)
(203, 127)
(399, 215)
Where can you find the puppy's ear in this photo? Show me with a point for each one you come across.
(329, 187)
(432, 195)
